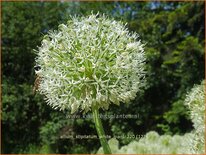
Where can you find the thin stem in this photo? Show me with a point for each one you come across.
(100, 131)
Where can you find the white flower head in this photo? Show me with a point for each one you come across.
(195, 100)
(90, 61)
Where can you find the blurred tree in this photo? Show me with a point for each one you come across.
(23, 25)
(175, 51)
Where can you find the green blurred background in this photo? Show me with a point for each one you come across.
(174, 37)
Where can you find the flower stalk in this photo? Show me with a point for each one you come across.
(100, 130)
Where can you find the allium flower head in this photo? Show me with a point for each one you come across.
(195, 100)
(90, 61)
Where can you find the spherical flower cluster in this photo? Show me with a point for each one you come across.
(90, 61)
(195, 100)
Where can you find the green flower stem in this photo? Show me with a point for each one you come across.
(100, 130)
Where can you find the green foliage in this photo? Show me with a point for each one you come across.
(176, 60)
(33, 149)
(186, 61)
(18, 118)
(22, 31)
(176, 115)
